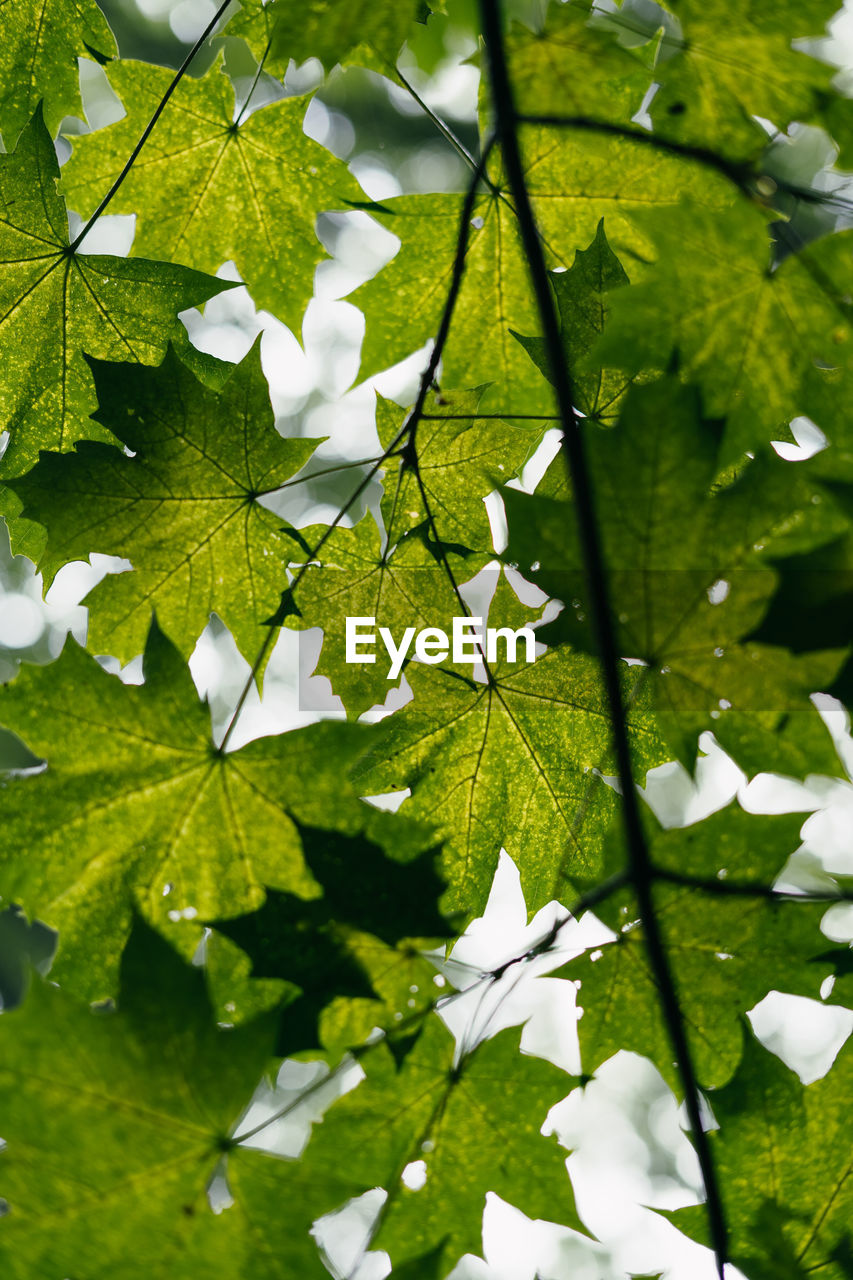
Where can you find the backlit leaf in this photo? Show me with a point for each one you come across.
(55, 304)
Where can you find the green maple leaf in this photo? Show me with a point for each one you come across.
(568, 67)
(782, 1154)
(206, 189)
(574, 180)
(56, 304)
(137, 810)
(726, 952)
(723, 69)
(581, 295)
(688, 578)
(436, 525)
(461, 458)
(342, 944)
(473, 1132)
(115, 1123)
(184, 509)
(765, 343)
(514, 763)
(38, 59)
(360, 576)
(370, 33)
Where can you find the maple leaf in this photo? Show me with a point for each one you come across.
(138, 810)
(342, 945)
(38, 59)
(134, 1110)
(766, 342)
(368, 32)
(582, 296)
(514, 762)
(56, 303)
(727, 950)
(715, 79)
(472, 1133)
(793, 1208)
(689, 579)
(185, 509)
(209, 187)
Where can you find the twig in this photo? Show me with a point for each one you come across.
(406, 432)
(750, 888)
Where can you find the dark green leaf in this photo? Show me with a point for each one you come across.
(582, 302)
(473, 1132)
(137, 810)
(38, 59)
(783, 1159)
(328, 948)
(688, 580)
(766, 342)
(184, 509)
(115, 1123)
(368, 32)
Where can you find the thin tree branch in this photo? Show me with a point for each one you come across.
(315, 1087)
(592, 898)
(448, 135)
(743, 174)
(146, 133)
(737, 172)
(640, 867)
(325, 471)
(750, 888)
(406, 432)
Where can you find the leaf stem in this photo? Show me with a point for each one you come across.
(640, 867)
(325, 471)
(444, 129)
(344, 1065)
(254, 85)
(146, 133)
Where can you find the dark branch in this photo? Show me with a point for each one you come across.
(750, 888)
(743, 174)
(640, 868)
(738, 173)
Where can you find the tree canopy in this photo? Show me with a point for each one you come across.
(631, 257)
